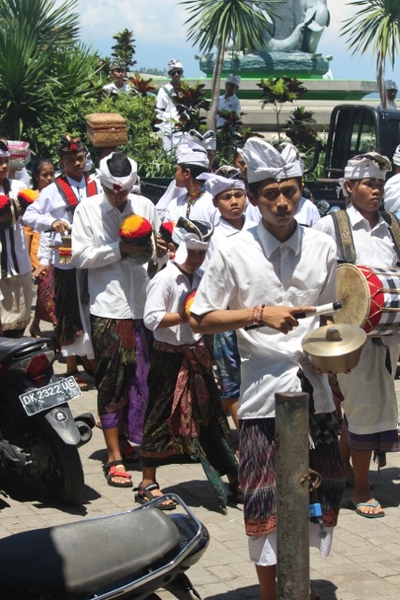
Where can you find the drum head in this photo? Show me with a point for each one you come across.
(353, 292)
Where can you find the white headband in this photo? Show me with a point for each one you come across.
(265, 162)
(192, 153)
(4, 153)
(396, 157)
(190, 240)
(120, 184)
(365, 166)
(232, 78)
(174, 64)
(215, 184)
(208, 139)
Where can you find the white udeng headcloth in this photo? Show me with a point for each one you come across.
(191, 153)
(365, 166)
(208, 139)
(190, 240)
(265, 162)
(4, 153)
(215, 184)
(119, 184)
(396, 157)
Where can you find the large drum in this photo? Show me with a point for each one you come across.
(370, 298)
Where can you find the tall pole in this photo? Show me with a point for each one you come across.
(292, 493)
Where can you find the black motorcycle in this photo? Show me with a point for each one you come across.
(128, 556)
(37, 431)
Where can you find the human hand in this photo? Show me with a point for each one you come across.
(162, 247)
(60, 226)
(282, 318)
(41, 270)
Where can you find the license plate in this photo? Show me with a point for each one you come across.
(44, 398)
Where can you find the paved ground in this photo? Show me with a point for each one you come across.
(364, 565)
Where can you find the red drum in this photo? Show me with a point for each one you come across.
(370, 298)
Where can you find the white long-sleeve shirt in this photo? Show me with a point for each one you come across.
(117, 287)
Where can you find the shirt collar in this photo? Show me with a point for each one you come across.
(78, 184)
(356, 218)
(270, 243)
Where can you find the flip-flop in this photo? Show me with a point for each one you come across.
(355, 506)
(110, 471)
(144, 496)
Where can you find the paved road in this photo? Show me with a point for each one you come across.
(364, 565)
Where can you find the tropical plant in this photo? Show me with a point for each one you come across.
(141, 86)
(144, 145)
(301, 130)
(376, 27)
(218, 22)
(124, 49)
(190, 101)
(42, 64)
(277, 91)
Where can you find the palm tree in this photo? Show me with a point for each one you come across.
(42, 63)
(214, 23)
(376, 27)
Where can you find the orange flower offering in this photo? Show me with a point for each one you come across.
(26, 197)
(135, 230)
(187, 305)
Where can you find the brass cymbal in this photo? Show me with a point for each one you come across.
(335, 348)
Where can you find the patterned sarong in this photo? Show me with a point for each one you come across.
(69, 323)
(45, 308)
(258, 477)
(184, 419)
(122, 364)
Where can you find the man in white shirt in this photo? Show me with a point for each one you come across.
(229, 101)
(117, 289)
(117, 76)
(391, 194)
(54, 211)
(370, 403)
(263, 277)
(391, 93)
(166, 110)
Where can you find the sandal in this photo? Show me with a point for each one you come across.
(111, 470)
(82, 383)
(144, 496)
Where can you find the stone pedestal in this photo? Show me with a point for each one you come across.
(263, 64)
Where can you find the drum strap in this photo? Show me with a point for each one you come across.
(344, 234)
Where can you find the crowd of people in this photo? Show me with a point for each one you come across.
(187, 314)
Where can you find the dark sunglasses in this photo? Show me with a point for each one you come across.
(176, 72)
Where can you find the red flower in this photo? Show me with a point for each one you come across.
(73, 147)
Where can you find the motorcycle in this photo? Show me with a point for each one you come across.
(37, 431)
(129, 556)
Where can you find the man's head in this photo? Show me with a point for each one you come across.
(391, 90)
(275, 182)
(228, 191)
(118, 175)
(232, 84)
(192, 239)
(117, 72)
(192, 160)
(208, 140)
(72, 155)
(175, 70)
(4, 161)
(396, 160)
(364, 180)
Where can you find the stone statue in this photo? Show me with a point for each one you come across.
(289, 48)
(306, 19)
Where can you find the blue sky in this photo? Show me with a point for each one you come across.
(160, 34)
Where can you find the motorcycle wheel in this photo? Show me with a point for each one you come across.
(64, 480)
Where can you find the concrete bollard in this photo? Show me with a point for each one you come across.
(292, 491)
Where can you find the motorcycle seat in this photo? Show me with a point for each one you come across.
(10, 346)
(78, 559)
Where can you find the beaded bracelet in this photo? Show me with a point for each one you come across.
(255, 314)
(260, 316)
